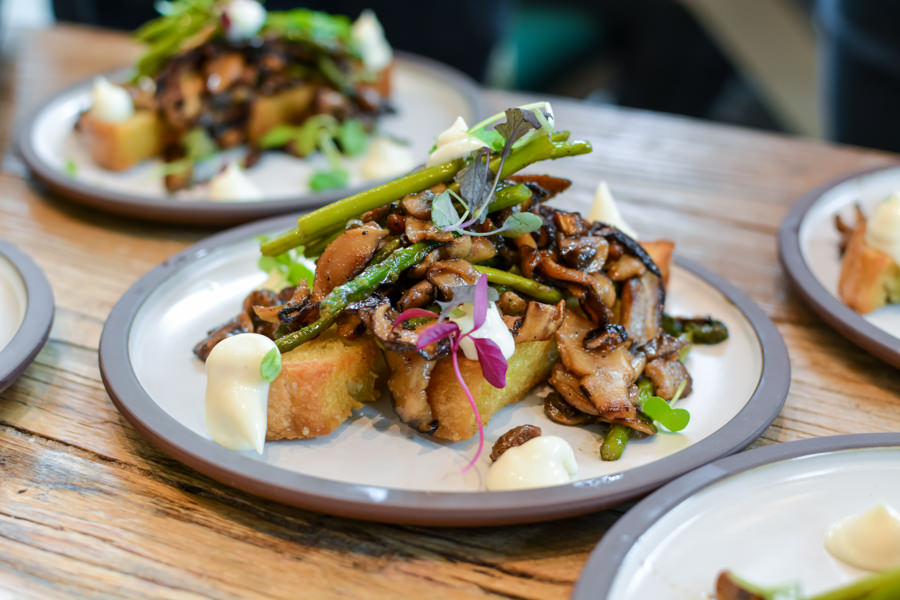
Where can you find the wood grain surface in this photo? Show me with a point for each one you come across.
(88, 509)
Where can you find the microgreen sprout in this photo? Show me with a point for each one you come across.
(664, 413)
(478, 183)
(490, 357)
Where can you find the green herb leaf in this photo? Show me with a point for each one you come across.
(490, 137)
(198, 145)
(271, 365)
(352, 137)
(673, 419)
(330, 179)
(70, 168)
(521, 222)
(278, 136)
(298, 272)
(267, 264)
(443, 213)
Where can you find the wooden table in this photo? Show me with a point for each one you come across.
(89, 509)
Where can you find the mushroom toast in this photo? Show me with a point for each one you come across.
(220, 74)
(457, 288)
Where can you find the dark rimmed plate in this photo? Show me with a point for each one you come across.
(808, 248)
(26, 300)
(428, 97)
(376, 468)
(762, 514)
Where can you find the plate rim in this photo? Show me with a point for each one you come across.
(205, 211)
(34, 329)
(599, 572)
(376, 503)
(839, 317)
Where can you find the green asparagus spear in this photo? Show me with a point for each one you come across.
(311, 225)
(614, 442)
(361, 286)
(536, 290)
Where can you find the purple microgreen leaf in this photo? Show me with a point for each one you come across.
(518, 223)
(443, 213)
(414, 313)
(479, 302)
(462, 383)
(493, 364)
(437, 332)
(475, 182)
(518, 123)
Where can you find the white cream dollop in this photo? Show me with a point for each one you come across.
(244, 19)
(493, 328)
(232, 185)
(539, 462)
(604, 209)
(368, 34)
(111, 103)
(870, 540)
(386, 158)
(237, 396)
(454, 142)
(883, 227)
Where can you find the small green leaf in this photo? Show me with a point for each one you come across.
(331, 179)
(298, 272)
(352, 137)
(277, 136)
(267, 264)
(673, 419)
(271, 365)
(521, 222)
(71, 168)
(490, 137)
(443, 213)
(198, 145)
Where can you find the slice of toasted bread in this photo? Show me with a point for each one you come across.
(451, 413)
(120, 146)
(321, 383)
(869, 278)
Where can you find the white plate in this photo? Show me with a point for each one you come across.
(428, 96)
(148, 365)
(808, 246)
(763, 514)
(26, 312)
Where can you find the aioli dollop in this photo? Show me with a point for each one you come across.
(232, 185)
(386, 158)
(454, 142)
(493, 328)
(870, 540)
(111, 103)
(243, 19)
(368, 34)
(605, 210)
(883, 227)
(539, 462)
(237, 396)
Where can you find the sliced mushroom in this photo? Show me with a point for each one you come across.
(419, 295)
(541, 321)
(239, 324)
(608, 387)
(418, 230)
(606, 338)
(625, 267)
(408, 383)
(560, 411)
(346, 257)
(641, 307)
(510, 303)
(586, 253)
(512, 438)
(663, 346)
(418, 205)
(570, 388)
(667, 374)
(570, 341)
(449, 274)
